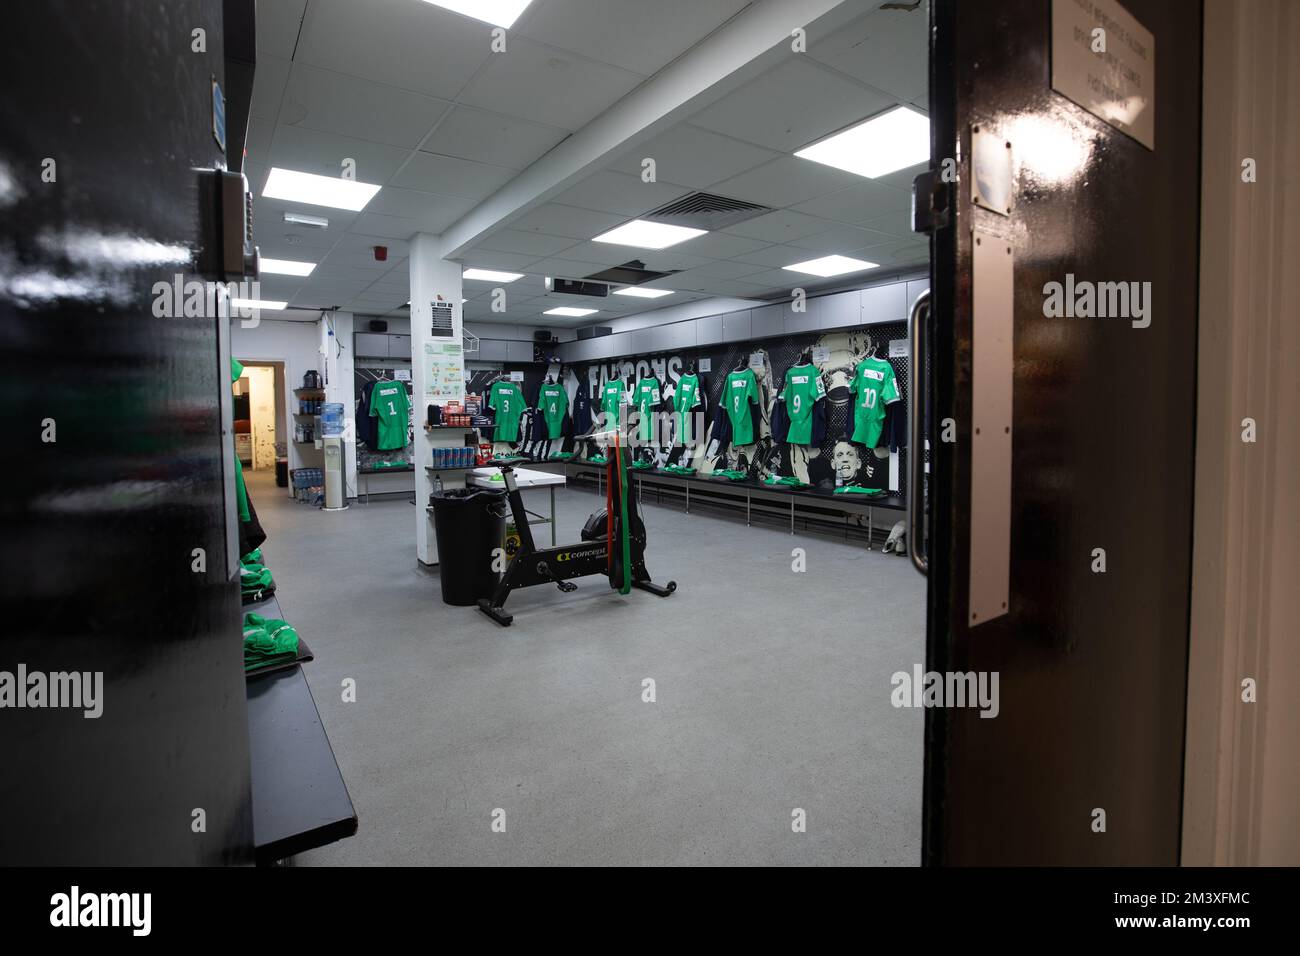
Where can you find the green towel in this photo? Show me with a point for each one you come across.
(788, 481)
(255, 580)
(641, 465)
(253, 557)
(562, 456)
(858, 490)
(679, 470)
(732, 473)
(268, 641)
(598, 460)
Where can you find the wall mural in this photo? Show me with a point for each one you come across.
(835, 461)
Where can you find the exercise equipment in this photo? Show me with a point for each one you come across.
(612, 543)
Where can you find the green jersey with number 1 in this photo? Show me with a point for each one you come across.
(803, 387)
(553, 403)
(390, 406)
(874, 387)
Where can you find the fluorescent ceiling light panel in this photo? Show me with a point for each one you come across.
(566, 310)
(882, 144)
(828, 266)
(489, 275)
(499, 13)
(302, 219)
(286, 267)
(649, 235)
(256, 304)
(314, 190)
(640, 293)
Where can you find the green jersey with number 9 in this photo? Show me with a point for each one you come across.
(803, 387)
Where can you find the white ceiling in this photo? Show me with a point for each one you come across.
(414, 95)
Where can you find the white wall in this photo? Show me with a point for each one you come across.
(296, 344)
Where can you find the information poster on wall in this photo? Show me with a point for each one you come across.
(1105, 60)
(444, 372)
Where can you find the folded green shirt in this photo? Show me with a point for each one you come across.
(268, 641)
(858, 490)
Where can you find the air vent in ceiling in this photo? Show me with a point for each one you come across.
(706, 211)
(629, 273)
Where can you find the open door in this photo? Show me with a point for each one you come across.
(1062, 389)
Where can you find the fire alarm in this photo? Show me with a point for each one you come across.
(381, 253)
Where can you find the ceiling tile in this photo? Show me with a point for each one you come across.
(504, 261)
(514, 240)
(566, 268)
(269, 79)
(336, 103)
(384, 227)
(642, 37)
(568, 221)
(619, 193)
(774, 257)
(886, 49)
(492, 138)
(690, 156)
(277, 26)
(790, 106)
(452, 176)
(865, 200)
(784, 182)
(429, 211)
(313, 151)
(780, 226)
(726, 269)
(415, 46)
(542, 84)
(719, 245)
(896, 225)
(839, 238)
(902, 179)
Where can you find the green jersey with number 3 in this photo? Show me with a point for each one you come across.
(874, 387)
(803, 387)
(553, 403)
(507, 400)
(390, 407)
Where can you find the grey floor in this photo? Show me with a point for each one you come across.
(772, 686)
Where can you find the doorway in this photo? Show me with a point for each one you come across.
(259, 414)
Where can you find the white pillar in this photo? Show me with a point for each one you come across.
(340, 385)
(433, 280)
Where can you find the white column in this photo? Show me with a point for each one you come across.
(340, 385)
(433, 279)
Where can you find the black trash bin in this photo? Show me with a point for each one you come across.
(469, 523)
(282, 473)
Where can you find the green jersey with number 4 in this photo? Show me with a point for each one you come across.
(874, 387)
(803, 387)
(390, 406)
(507, 400)
(553, 403)
(739, 392)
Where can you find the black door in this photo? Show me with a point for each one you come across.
(1086, 536)
(113, 530)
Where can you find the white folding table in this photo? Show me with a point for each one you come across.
(524, 478)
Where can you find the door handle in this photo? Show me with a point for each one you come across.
(917, 321)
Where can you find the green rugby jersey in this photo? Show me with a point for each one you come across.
(646, 400)
(874, 387)
(738, 393)
(612, 399)
(553, 403)
(507, 400)
(686, 398)
(390, 405)
(803, 387)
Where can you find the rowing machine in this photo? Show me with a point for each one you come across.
(613, 544)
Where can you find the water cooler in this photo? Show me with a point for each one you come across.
(331, 420)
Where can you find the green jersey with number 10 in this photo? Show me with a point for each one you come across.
(874, 387)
